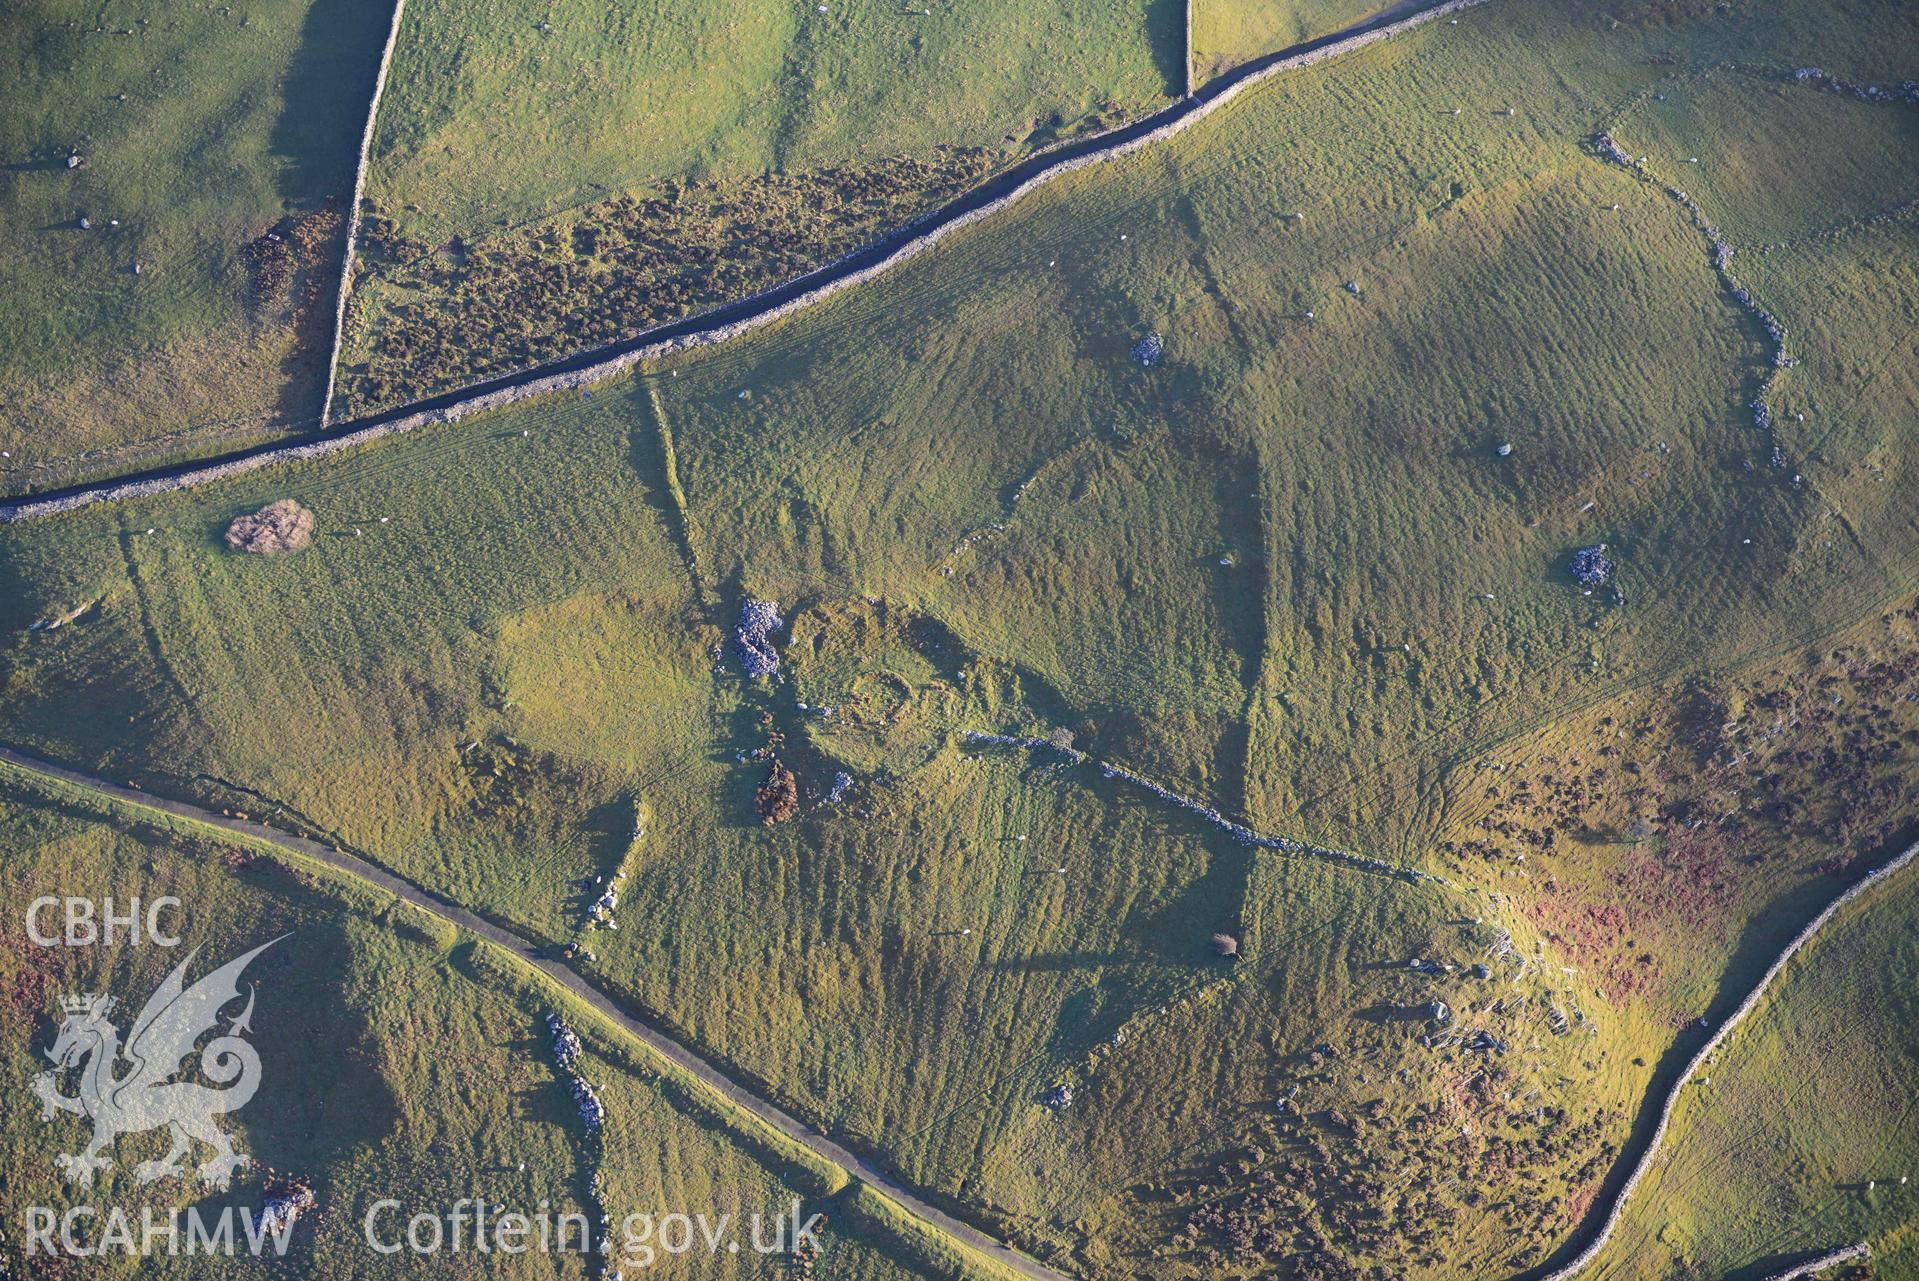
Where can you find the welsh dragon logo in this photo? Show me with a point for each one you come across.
(144, 1097)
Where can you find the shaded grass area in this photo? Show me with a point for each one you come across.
(197, 134)
(395, 1064)
(1811, 1103)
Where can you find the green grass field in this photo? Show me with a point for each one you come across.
(1283, 571)
(1810, 1104)
(397, 1062)
(199, 131)
(759, 141)
(495, 116)
(1229, 32)
(1747, 144)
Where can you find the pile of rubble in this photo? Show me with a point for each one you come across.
(753, 637)
(282, 526)
(566, 1052)
(778, 797)
(1150, 350)
(1603, 145)
(600, 911)
(285, 1203)
(1590, 565)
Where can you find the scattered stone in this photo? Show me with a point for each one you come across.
(1149, 350)
(601, 912)
(842, 784)
(285, 1203)
(282, 526)
(1057, 1098)
(566, 1051)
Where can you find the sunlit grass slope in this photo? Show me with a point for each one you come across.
(1259, 569)
(1802, 1139)
(1229, 32)
(394, 1065)
(546, 183)
(197, 131)
(497, 114)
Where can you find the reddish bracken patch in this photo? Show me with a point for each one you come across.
(1580, 1201)
(1687, 885)
(26, 976)
(779, 796)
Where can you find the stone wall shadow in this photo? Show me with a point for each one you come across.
(326, 95)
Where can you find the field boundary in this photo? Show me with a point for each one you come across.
(353, 213)
(1830, 1259)
(1240, 832)
(1616, 1210)
(734, 319)
(993, 1257)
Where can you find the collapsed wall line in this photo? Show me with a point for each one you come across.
(1206, 813)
